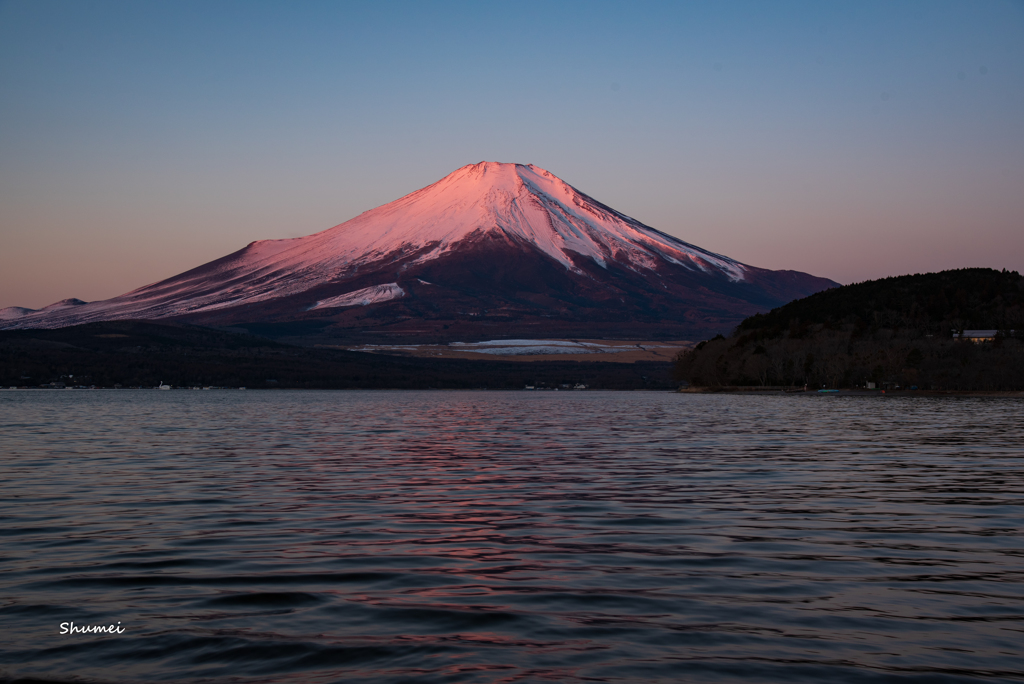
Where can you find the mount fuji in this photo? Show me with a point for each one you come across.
(490, 250)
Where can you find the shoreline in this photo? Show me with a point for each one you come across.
(775, 391)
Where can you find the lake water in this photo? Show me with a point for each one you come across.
(510, 537)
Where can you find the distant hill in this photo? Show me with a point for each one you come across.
(891, 332)
(967, 298)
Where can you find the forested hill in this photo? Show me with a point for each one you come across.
(894, 332)
(936, 303)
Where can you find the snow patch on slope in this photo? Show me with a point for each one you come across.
(368, 295)
(534, 347)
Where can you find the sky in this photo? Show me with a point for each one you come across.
(852, 140)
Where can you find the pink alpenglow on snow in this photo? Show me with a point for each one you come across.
(368, 295)
(489, 236)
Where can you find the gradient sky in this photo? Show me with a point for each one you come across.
(851, 140)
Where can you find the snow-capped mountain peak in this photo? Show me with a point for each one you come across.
(521, 209)
(525, 203)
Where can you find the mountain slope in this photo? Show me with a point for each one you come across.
(501, 243)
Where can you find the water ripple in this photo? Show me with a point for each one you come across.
(510, 537)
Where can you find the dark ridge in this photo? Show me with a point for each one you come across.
(144, 354)
(966, 298)
(900, 332)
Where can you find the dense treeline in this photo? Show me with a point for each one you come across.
(139, 353)
(892, 332)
